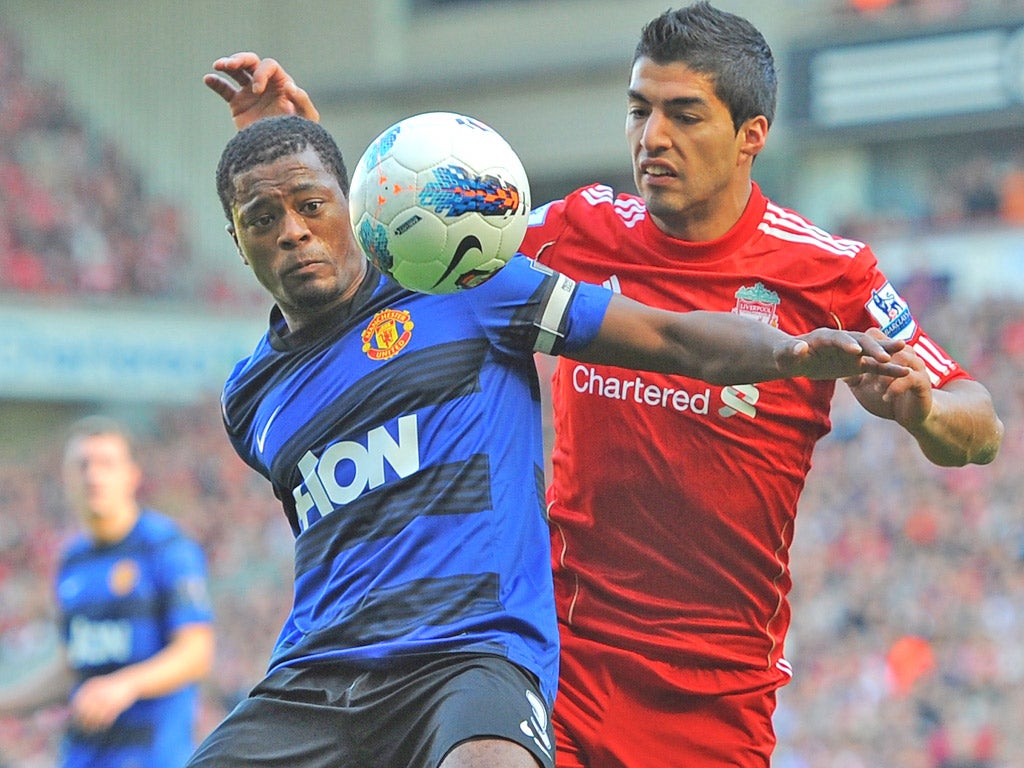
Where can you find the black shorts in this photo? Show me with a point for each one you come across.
(410, 716)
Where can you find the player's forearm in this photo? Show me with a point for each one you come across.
(962, 427)
(717, 347)
(727, 349)
(187, 659)
(724, 348)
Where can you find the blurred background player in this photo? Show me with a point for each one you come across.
(423, 628)
(671, 563)
(134, 614)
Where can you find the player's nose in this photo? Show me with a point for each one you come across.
(655, 132)
(294, 230)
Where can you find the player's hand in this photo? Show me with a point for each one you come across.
(906, 400)
(100, 700)
(825, 353)
(255, 88)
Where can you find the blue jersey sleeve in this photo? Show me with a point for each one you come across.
(527, 307)
(184, 580)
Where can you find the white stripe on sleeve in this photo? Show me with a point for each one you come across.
(554, 314)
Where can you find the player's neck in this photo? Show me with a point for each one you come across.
(706, 221)
(114, 525)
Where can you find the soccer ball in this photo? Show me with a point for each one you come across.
(439, 201)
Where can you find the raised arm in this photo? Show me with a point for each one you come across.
(724, 348)
(954, 425)
(255, 88)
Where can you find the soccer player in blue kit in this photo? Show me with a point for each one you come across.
(135, 618)
(402, 434)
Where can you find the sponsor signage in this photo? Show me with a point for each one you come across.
(967, 73)
(82, 354)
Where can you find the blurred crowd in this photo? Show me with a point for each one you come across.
(908, 638)
(74, 214)
(979, 191)
(76, 217)
(927, 11)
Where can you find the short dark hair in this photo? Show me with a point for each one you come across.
(722, 45)
(272, 138)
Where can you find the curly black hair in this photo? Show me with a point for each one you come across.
(270, 139)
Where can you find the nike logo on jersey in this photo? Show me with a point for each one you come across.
(261, 438)
(467, 244)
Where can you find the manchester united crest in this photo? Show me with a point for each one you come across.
(387, 334)
(123, 576)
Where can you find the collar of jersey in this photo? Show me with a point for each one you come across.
(283, 340)
(742, 231)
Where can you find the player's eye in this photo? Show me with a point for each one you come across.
(261, 221)
(311, 206)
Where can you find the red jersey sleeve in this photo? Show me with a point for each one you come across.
(865, 297)
(545, 226)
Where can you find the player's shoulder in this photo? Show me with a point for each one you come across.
(157, 528)
(248, 369)
(595, 203)
(515, 285)
(76, 547)
(793, 230)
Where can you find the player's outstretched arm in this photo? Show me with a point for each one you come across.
(724, 348)
(954, 425)
(255, 88)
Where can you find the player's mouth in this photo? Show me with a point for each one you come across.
(657, 173)
(301, 268)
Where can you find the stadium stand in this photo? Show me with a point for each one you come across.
(75, 217)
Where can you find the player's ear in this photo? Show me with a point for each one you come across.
(752, 136)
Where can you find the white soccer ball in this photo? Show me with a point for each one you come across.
(439, 201)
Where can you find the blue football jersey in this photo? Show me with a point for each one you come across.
(403, 438)
(120, 604)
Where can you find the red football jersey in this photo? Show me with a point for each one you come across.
(673, 501)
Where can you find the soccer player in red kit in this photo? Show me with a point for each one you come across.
(673, 502)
